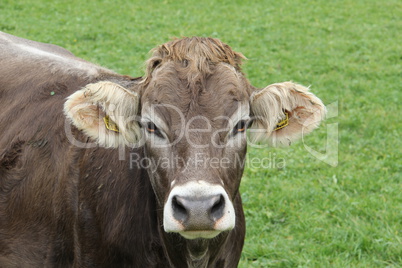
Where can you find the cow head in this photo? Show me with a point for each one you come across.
(190, 113)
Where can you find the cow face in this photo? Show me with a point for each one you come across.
(195, 140)
(195, 108)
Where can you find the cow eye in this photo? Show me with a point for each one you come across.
(151, 128)
(241, 126)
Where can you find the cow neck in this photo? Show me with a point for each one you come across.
(196, 253)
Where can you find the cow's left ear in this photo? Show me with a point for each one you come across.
(283, 112)
(106, 112)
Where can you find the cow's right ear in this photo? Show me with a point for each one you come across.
(106, 112)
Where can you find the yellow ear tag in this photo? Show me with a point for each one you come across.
(283, 123)
(110, 124)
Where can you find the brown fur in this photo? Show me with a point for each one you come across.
(62, 206)
(68, 206)
(196, 54)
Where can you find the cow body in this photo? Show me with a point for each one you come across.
(67, 203)
(63, 205)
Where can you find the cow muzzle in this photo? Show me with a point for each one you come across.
(198, 210)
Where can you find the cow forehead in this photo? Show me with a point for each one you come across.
(218, 93)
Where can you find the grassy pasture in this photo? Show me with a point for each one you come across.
(344, 211)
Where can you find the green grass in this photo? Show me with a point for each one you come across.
(304, 213)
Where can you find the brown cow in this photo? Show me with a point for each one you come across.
(103, 170)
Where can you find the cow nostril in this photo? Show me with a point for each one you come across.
(179, 210)
(198, 213)
(217, 208)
